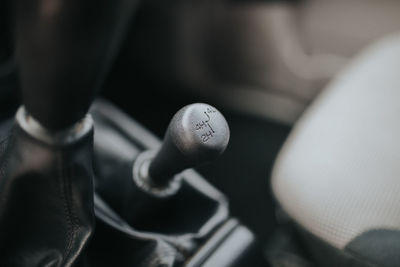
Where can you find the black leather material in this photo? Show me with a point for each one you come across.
(326, 255)
(379, 246)
(117, 244)
(46, 201)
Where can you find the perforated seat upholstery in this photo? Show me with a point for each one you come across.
(338, 175)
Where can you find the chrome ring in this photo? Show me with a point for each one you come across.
(66, 136)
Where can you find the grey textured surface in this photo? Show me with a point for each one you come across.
(199, 131)
(197, 134)
(338, 174)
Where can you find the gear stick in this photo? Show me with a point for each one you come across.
(64, 49)
(197, 134)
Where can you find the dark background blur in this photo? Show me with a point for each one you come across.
(260, 62)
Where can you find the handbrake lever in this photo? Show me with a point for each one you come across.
(64, 49)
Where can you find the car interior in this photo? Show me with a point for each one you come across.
(200, 133)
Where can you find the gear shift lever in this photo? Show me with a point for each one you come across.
(64, 49)
(197, 134)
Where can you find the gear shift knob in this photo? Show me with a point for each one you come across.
(198, 133)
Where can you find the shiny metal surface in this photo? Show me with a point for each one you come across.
(70, 135)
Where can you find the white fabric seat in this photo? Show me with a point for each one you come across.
(338, 175)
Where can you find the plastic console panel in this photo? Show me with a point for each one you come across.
(191, 228)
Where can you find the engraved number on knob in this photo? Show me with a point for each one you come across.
(205, 126)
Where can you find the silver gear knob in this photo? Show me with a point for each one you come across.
(198, 133)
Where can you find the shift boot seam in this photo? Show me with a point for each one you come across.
(67, 208)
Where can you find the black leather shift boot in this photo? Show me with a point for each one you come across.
(46, 200)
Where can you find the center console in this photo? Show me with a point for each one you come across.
(83, 184)
(187, 225)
